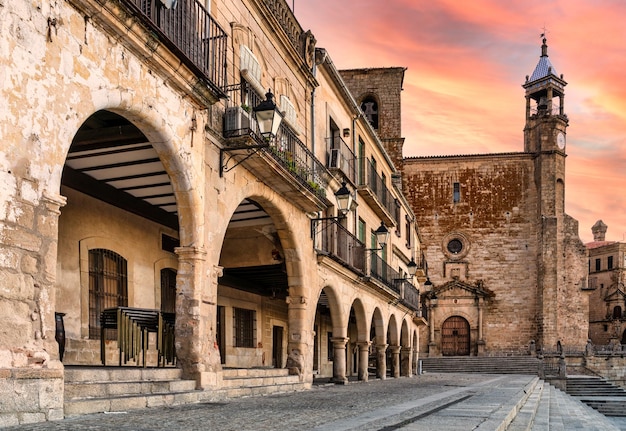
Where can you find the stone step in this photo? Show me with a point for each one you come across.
(78, 390)
(492, 365)
(129, 402)
(254, 372)
(524, 418)
(107, 374)
(118, 389)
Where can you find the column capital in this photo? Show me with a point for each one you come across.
(190, 253)
(339, 341)
(53, 202)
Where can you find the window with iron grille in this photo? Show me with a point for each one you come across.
(168, 290)
(108, 287)
(244, 322)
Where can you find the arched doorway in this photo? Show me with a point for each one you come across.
(455, 337)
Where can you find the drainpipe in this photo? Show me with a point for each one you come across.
(320, 57)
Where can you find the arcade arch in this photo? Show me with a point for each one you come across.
(126, 189)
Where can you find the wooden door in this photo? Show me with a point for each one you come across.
(455, 337)
(277, 347)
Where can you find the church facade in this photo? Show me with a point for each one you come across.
(507, 267)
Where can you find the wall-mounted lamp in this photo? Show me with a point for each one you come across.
(382, 237)
(411, 267)
(267, 116)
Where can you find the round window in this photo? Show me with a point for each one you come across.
(455, 246)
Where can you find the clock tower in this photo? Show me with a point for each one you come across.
(544, 138)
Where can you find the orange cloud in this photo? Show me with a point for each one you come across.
(466, 62)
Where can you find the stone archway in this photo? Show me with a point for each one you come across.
(119, 186)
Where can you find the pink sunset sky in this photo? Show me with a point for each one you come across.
(466, 62)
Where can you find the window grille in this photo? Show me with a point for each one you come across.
(108, 287)
(244, 327)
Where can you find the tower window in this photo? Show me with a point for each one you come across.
(369, 106)
(456, 194)
(609, 263)
(598, 265)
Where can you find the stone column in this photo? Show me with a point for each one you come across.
(364, 355)
(381, 361)
(300, 342)
(339, 360)
(45, 296)
(196, 310)
(481, 341)
(432, 346)
(395, 360)
(405, 361)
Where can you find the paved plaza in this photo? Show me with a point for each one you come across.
(431, 401)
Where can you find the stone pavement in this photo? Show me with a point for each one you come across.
(444, 402)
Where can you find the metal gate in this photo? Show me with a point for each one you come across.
(455, 337)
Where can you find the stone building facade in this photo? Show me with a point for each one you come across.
(607, 283)
(507, 267)
(136, 184)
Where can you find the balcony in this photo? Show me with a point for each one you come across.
(407, 293)
(285, 164)
(188, 31)
(376, 194)
(340, 157)
(331, 239)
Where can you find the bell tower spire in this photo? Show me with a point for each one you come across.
(545, 107)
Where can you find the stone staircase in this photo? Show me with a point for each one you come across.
(608, 399)
(548, 408)
(118, 389)
(481, 364)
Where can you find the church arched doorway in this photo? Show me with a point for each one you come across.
(455, 337)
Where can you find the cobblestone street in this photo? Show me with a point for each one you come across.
(376, 405)
(373, 405)
(433, 401)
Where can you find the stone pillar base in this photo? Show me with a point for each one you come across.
(209, 380)
(36, 395)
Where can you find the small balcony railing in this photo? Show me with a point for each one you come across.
(334, 240)
(291, 152)
(286, 149)
(189, 31)
(381, 271)
(377, 194)
(409, 294)
(340, 157)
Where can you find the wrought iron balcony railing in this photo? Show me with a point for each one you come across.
(376, 193)
(339, 156)
(189, 31)
(381, 271)
(286, 149)
(332, 239)
(409, 294)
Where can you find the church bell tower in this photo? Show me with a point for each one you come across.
(544, 137)
(545, 116)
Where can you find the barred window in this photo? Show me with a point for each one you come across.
(108, 287)
(168, 290)
(244, 327)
